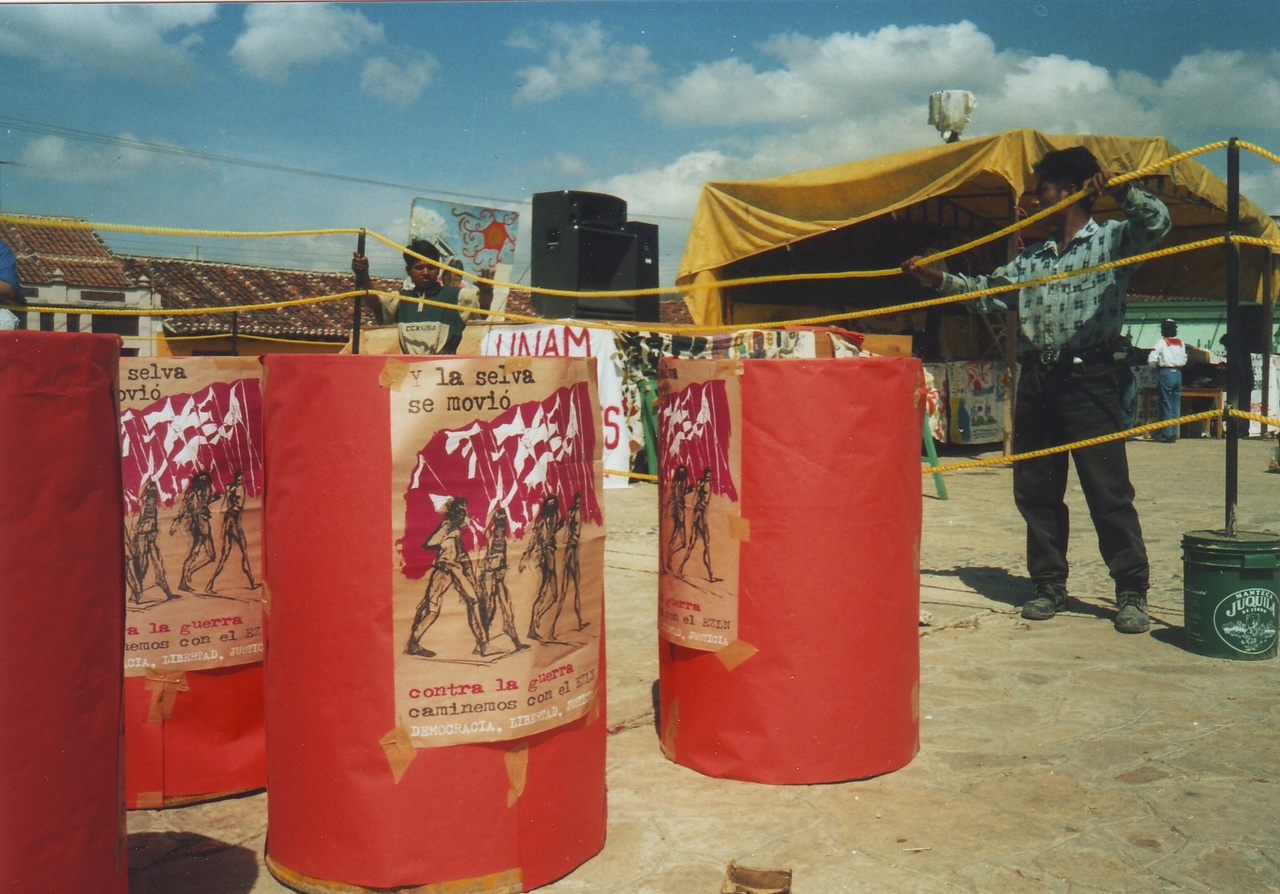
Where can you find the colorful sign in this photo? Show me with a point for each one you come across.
(470, 237)
(699, 465)
(498, 544)
(191, 436)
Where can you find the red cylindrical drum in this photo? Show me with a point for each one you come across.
(789, 591)
(61, 615)
(435, 666)
(191, 437)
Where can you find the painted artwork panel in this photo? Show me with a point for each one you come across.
(699, 467)
(498, 546)
(191, 446)
(470, 237)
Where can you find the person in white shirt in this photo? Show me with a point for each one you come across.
(1169, 357)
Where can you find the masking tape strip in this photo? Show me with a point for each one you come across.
(164, 690)
(398, 745)
(509, 881)
(669, 724)
(740, 528)
(736, 653)
(517, 761)
(150, 800)
(393, 373)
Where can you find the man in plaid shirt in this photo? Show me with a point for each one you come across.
(1067, 388)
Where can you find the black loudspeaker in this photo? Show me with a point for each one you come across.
(646, 269)
(1252, 332)
(583, 243)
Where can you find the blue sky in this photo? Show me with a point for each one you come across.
(496, 101)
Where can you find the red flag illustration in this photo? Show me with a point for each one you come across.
(696, 429)
(532, 450)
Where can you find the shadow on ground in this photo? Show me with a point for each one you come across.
(178, 862)
(996, 584)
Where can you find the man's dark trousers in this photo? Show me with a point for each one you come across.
(1061, 403)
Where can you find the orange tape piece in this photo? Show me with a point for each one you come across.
(509, 881)
(164, 690)
(398, 745)
(517, 761)
(736, 653)
(150, 800)
(393, 373)
(669, 728)
(740, 528)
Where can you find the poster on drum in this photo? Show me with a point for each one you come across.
(700, 524)
(498, 545)
(191, 448)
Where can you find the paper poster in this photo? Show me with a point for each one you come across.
(498, 542)
(191, 445)
(976, 395)
(470, 237)
(557, 340)
(700, 446)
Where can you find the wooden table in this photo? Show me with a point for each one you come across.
(1215, 397)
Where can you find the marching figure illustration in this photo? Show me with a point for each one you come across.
(698, 528)
(494, 596)
(145, 550)
(450, 569)
(232, 533)
(196, 514)
(676, 507)
(573, 533)
(543, 545)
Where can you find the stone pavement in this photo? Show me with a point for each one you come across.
(1055, 756)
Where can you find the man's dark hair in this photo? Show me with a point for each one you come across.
(1075, 165)
(423, 247)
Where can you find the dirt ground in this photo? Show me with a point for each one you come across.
(1055, 756)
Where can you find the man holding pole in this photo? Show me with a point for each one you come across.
(424, 328)
(1067, 388)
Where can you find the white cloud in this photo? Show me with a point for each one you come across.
(152, 42)
(578, 57)
(1224, 89)
(58, 159)
(834, 76)
(398, 84)
(280, 36)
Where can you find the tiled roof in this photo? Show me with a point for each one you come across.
(210, 284)
(671, 312)
(43, 249)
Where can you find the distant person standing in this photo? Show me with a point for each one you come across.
(10, 287)
(1169, 357)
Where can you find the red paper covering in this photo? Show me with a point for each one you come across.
(213, 745)
(828, 584)
(336, 813)
(61, 615)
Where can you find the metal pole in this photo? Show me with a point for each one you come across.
(357, 303)
(1233, 331)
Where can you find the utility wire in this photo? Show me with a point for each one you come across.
(87, 136)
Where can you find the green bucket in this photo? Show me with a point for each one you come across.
(1229, 593)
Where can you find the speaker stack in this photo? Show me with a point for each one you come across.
(583, 242)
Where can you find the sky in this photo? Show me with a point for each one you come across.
(263, 117)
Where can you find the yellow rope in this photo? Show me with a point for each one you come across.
(1089, 442)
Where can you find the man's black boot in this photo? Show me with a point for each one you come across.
(1045, 602)
(1132, 614)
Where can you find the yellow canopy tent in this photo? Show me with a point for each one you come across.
(873, 214)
